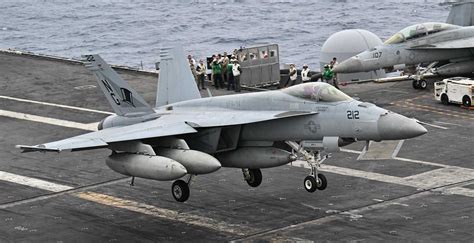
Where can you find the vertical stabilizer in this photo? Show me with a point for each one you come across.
(176, 82)
(124, 100)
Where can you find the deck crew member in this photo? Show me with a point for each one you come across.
(236, 71)
(191, 60)
(333, 62)
(293, 74)
(217, 72)
(329, 77)
(225, 63)
(305, 73)
(201, 74)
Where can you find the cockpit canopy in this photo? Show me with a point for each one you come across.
(317, 92)
(419, 30)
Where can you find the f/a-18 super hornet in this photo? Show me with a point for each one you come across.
(185, 135)
(449, 49)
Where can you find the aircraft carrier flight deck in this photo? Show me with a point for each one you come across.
(421, 189)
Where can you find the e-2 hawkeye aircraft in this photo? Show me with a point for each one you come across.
(186, 135)
(449, 48)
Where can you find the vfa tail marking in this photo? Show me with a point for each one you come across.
(124, 99)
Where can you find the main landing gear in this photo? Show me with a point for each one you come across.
(180, 189)
(253, 177)
(315, 180)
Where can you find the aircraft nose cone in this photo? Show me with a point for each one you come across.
(351, 65)
(393, 126)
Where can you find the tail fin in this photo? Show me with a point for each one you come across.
(176, 82)
(124, 100)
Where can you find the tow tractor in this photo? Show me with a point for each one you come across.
(457, 90)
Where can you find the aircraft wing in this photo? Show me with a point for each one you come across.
(464, 43)
(161, 127)
(167, 125)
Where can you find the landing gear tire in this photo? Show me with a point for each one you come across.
(466, 101)
(255, 177)
(180, 190)
(310, 183)
(322, 182)
(444, 99)
(415, 84)
(422, 84)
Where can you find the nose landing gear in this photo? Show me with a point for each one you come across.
(315, 180)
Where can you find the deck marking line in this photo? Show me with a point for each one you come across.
(403, 159)
(440, 177)
(397, 149)
(355, 173)
(428, 180)
(342, 215)
(60, 193)
(433, 125)
(33, 182)
(116, 202)
(423, 162)
(47, 120)
(449, 123)
(167, 214)
(351, 151)
(56, 105)
(459, 191)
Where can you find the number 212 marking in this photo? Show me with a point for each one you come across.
(352, 114)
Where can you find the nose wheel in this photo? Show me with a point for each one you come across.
(420, 84)
(311, 184)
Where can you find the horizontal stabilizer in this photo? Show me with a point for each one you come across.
(26, 149)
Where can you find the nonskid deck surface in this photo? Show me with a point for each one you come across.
(424, 190)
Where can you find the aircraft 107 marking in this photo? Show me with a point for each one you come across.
(449, 48)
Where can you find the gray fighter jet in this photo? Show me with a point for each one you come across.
(185, 135)
(450, 45)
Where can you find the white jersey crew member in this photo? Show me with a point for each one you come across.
(293, 74)
(236, 71)
(305, 74)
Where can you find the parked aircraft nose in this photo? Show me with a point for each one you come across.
(351, 65)
(393, 126)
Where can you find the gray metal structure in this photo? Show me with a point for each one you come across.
(193, 136)
(450, 46)
(260, 65)
(462, 13)
(337, 45)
